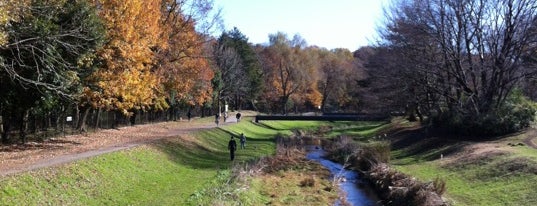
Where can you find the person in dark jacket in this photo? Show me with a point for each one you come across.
(232, 147)
(189, 115)
(238, 116)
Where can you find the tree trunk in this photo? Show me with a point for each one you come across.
(3, 132)
(284, 104)
(97, 119)
(24, 125)
(6, 127)
(132, 118)
(254, 107)
(76, 118)
(115, 123)
(82, 121)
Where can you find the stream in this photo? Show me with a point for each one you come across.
(356, 190)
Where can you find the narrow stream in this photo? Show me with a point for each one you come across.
(349, 180)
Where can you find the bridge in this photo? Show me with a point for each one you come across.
(325, 117)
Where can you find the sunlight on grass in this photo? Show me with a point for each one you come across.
(172, 171)
(486, 183)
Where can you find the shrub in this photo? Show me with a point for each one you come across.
(515, 114)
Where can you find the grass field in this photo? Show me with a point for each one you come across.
(191, 169)
(476, 173)
(194, 169)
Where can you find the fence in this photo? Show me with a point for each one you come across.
(39, 127)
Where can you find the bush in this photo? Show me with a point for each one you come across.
(515, 114)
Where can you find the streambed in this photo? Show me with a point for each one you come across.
(357, 192)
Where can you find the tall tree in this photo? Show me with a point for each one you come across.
(125, 79)
(250, 65)
(42, 53)
(286, 68)
(336, 68)
(471, 53)
(229, 78)
(183, 65)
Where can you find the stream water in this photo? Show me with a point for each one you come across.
(348, 180)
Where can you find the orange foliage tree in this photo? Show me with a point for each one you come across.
(290, 70)
(124, 80)
(183, 68)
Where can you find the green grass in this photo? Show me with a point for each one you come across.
(168, 172)
(504, 176)
(363, 130)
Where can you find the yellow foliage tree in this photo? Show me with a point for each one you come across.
(125, 79)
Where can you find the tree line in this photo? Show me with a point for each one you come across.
(82, 58)
(466, 66)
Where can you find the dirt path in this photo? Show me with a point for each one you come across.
(57, 151)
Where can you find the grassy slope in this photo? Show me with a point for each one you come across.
(175, 171)
(476, 173)
(181, 171)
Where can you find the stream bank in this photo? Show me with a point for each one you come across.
(355, 190)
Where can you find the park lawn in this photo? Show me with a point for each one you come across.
(190, 169)
(500, 175)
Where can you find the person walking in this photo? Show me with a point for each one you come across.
(217, 119)
(238, 116)
(189, 115)
(232, 147)
(243, 141)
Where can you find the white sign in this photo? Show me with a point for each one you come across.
(69, 118)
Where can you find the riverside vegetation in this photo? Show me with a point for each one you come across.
(194, 169)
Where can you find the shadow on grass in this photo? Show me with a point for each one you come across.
(209, 150)
(356, 129)
(195, 156)
(266, 126)
(415, 143)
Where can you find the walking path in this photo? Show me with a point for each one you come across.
(56, 151)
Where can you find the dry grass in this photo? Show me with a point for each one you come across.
(288, 178)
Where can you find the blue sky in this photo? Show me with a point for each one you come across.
(325, 23)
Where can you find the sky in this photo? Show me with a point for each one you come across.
(331, 24)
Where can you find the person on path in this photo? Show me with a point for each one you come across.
(217, 119)
(243, 141)
(232, 147)
(189, 115)
(238, 116)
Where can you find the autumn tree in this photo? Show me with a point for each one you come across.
(183, 65)
(124, 79)
(337, 77)
(286, 67)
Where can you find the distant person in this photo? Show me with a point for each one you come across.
(189, 115)
(217, 119)
(232, 147)
(238, 116)
(242, 139)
